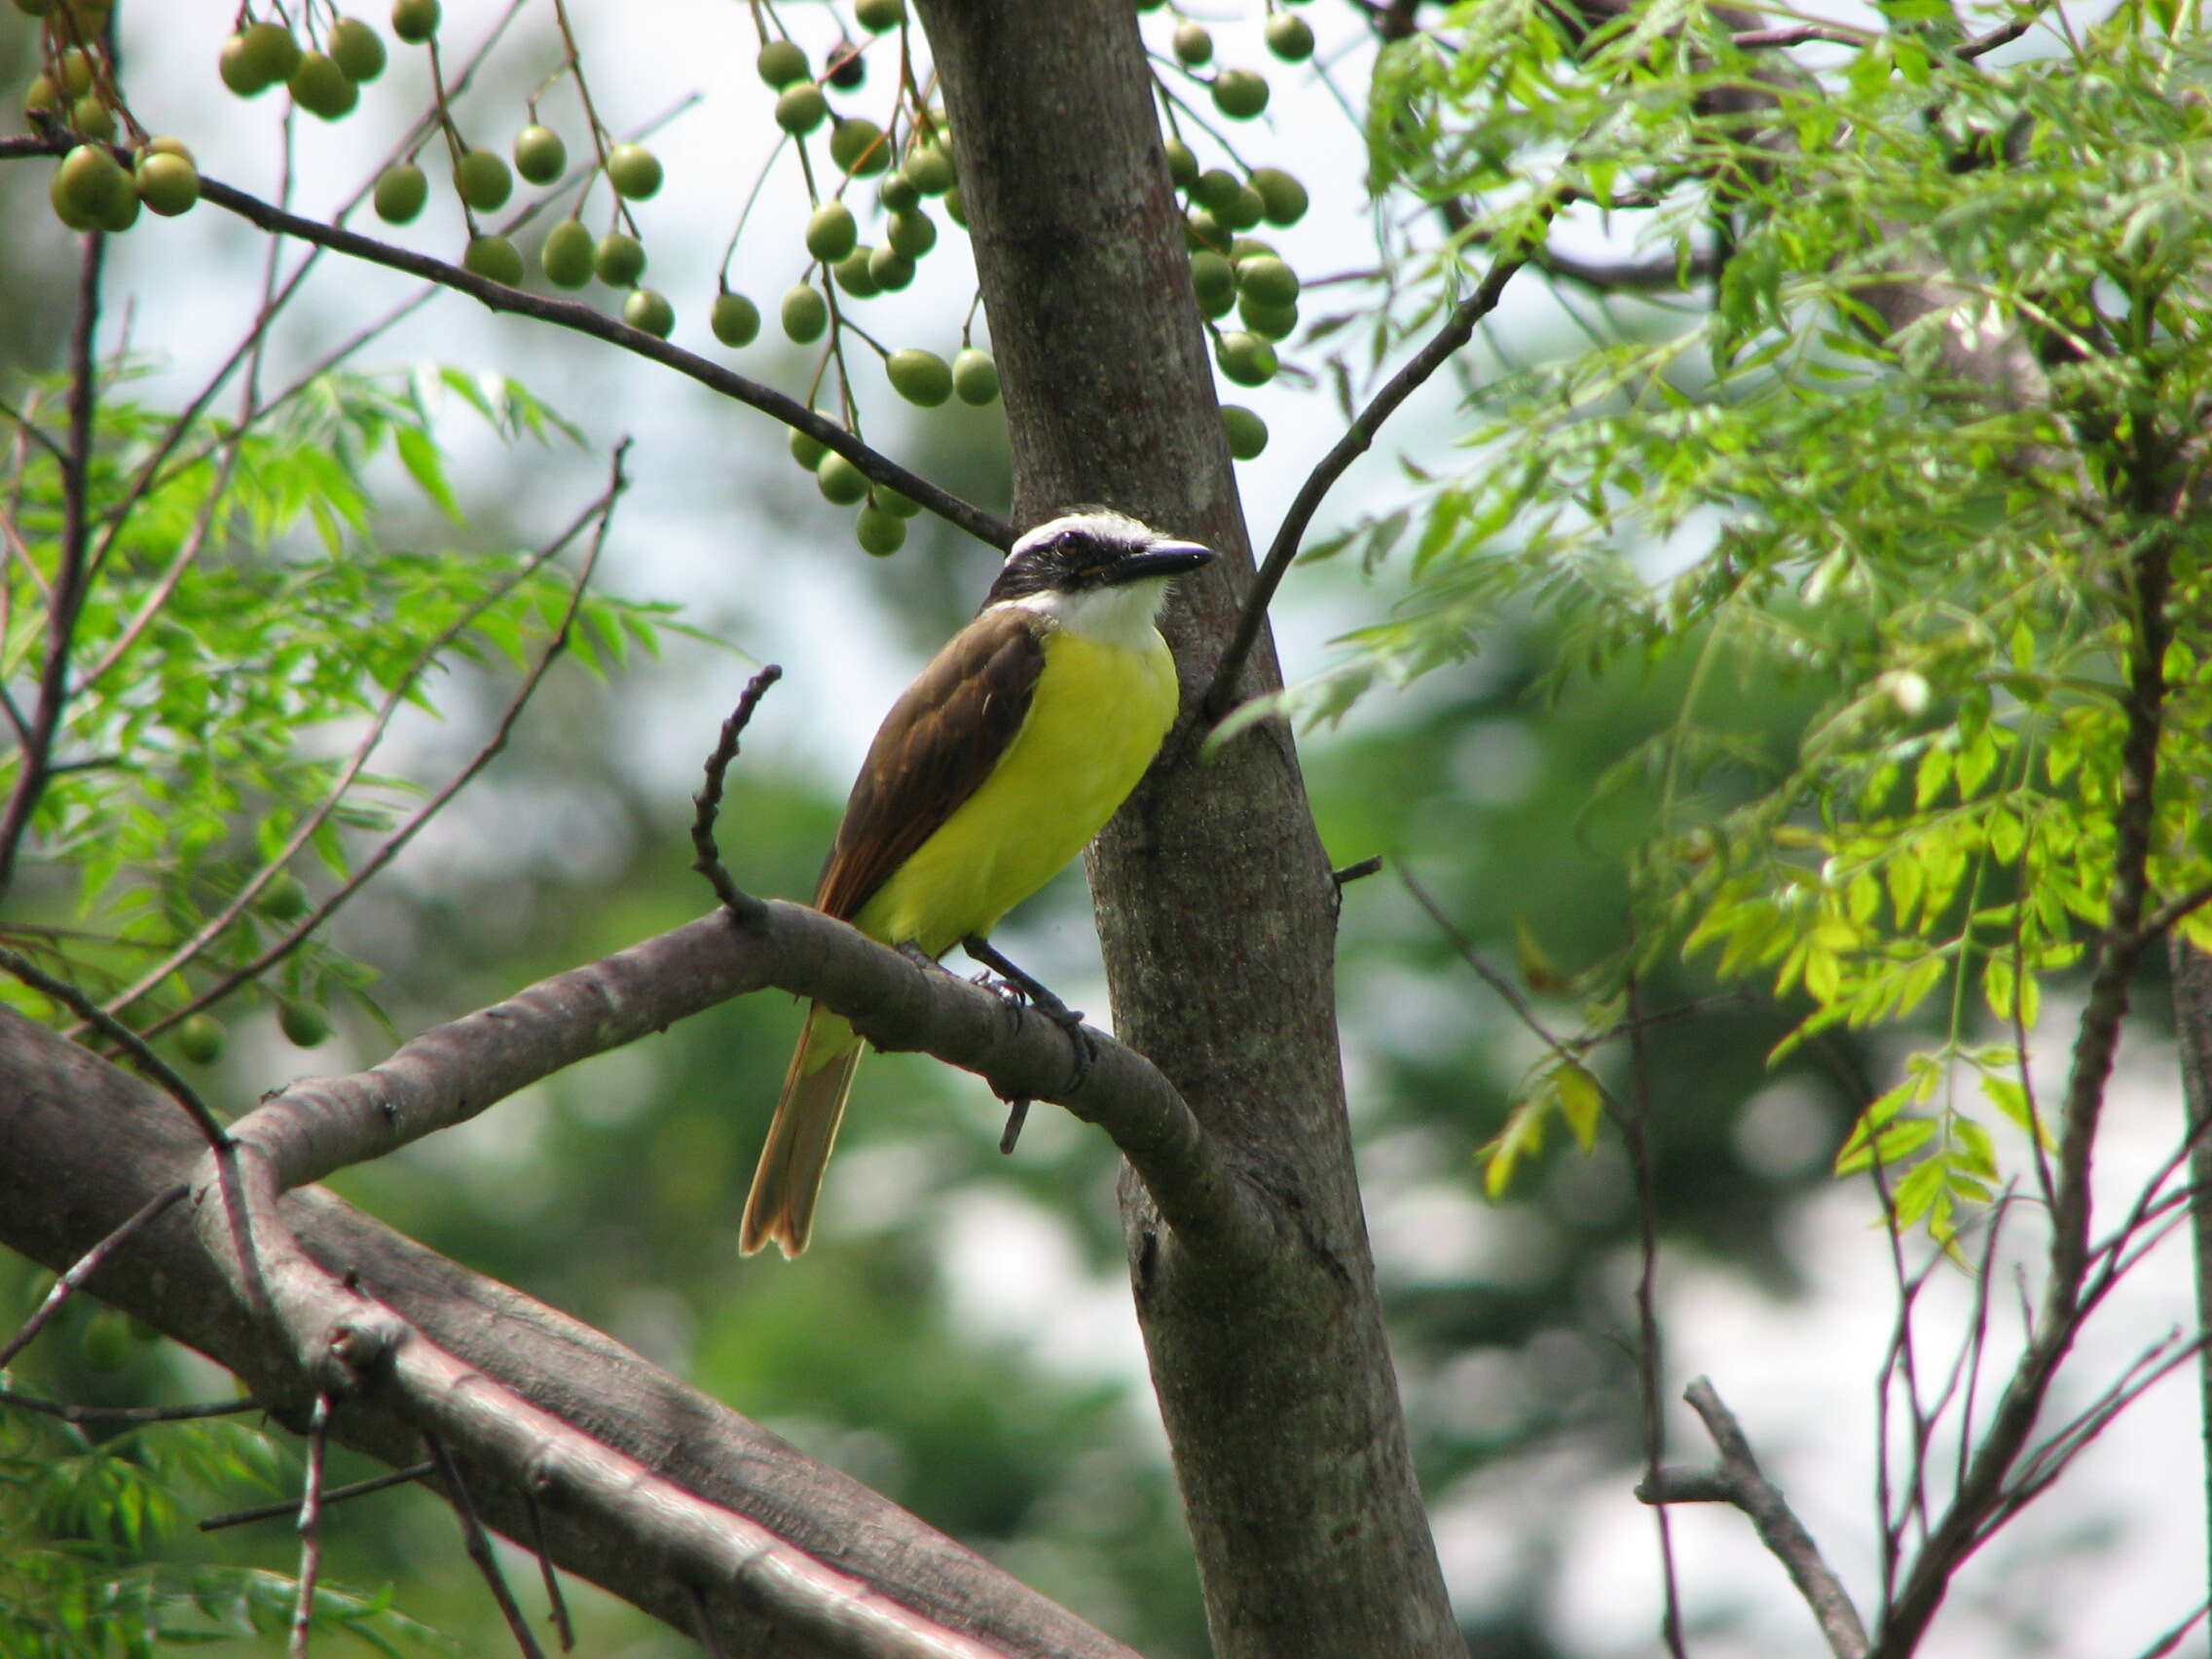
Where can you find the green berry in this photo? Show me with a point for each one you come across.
(105, 1343)
(1182, 165)
(1216, 306)
(929, 166)
(1252, 247)
(953, 208)
(244, 66)
(1215, 189)
(848, 69)
(830, 232)
(482, 180)
(975, 377)
(169, 145)
(735, 320)
(919, 377)
(302, 1023)
(1239, 94)
(912, 234)
(888, 270)
(839, 480)
(1245, 358)
(618, 260)
(802, 108)
(200, 1039)
(896, 193)
(648, 311)
(284, 898)
(76, 71)
(322, 89)
(805, 315)
(91, 116)
(1203, 230)
(168, 185)
(401, 191)
(634, 170)
(1193, 45)
(273, 54)
(878, 15)
(1275, 322)
(91, 188)
(1281, 195)
(65, 207)
(807, 449)
(888, 501)
(1268, 282)
(566, 254)
(359, 49)
(1212, 275)
(854, 275)
(41, 95)
(413, 21)
(779, 63)
(1290, 38)
(493, 258)
(1248, 432)
(540, 157)
(879, 534)
(856, 145)
(1244, 209)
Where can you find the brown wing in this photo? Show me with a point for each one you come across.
(934, 750)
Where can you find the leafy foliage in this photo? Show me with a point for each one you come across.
(248, 627)
(1942, 417)
(89, 1574)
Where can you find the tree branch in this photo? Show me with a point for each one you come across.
(574, 314)
(1459, 328)
(452, 1072)
(1741, 1481)
(633, 1471)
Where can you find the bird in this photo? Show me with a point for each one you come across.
(993, 770)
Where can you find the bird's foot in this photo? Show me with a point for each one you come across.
(1013, 981)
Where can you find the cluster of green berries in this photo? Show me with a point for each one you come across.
(1234, 272)
(880, 527)
(92, 189)
(325, 82)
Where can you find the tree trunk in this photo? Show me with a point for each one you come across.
(1215, 906)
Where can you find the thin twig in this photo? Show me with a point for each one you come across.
(1649, 1356)
(557, 1604)
(702, 1622)
(335, 1494)
(1459, 328)
(69, 577)
(84, 1267)
(134, 1045)
(1740, 1480)
(311, 1524)
(744, 909)
(479, 1547)
(68, 1412)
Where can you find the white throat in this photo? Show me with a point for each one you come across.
(1119, 616)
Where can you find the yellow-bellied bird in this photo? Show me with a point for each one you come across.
(994, 769)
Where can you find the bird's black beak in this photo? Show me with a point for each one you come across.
(1161, 559)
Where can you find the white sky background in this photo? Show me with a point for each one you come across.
(712, 487)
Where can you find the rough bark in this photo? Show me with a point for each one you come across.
(1215, 904)
(87, 1145)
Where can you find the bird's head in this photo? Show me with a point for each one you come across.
(1093, 551)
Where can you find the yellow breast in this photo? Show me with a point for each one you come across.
(1096, 720)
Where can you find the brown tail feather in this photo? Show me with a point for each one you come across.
(788, 1178)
